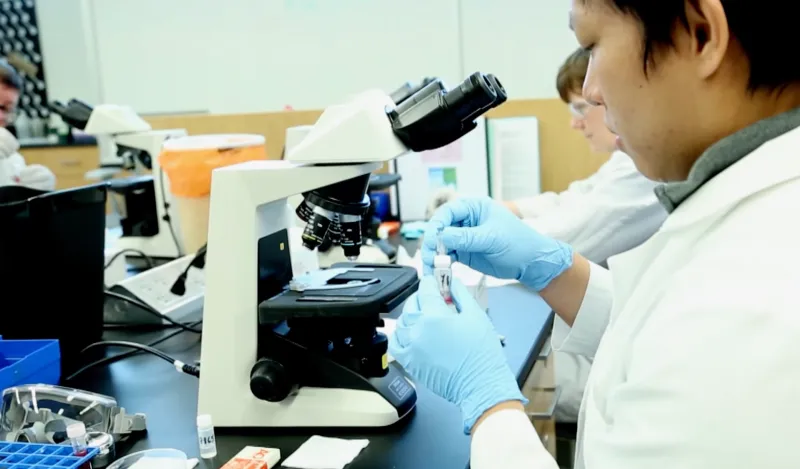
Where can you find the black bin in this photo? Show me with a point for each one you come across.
(52, 259)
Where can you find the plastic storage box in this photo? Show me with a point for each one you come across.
(29, 362)
(38, 456)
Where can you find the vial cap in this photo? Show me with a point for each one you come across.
(74, 430)
(442, 262)
(204, 420)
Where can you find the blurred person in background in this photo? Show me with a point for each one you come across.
(13, 169)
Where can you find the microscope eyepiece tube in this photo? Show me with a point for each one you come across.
(470, 97)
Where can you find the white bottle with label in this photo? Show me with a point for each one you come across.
(205, 437)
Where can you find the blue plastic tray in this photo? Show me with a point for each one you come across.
(38, 456)
(29, 362)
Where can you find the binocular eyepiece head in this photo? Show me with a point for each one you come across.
(434, 116)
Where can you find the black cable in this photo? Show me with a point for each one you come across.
(138, 327)
(167, 218)
(123, 355)
(179, 365)
(199, 261)
(148, 259)
(134, 345)
(152, 311)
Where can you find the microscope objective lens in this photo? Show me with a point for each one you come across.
(305, 211)
(315, 231)
(351, 235)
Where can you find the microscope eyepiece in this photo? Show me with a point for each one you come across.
(434, 117)
(470, 97)
(502, 96)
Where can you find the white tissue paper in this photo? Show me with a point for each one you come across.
(319, 452)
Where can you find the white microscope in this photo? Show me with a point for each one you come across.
(128, 142)
(295, 349)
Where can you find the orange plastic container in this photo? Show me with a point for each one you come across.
(188, 163)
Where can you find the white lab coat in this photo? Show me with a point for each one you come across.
(14, 171)
(612, 211)
(10, 168)
(697, 357)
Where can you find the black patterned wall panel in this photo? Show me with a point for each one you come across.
(19, 34)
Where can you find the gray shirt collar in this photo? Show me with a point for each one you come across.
(725, 153)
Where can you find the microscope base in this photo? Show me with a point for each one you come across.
(316, 408)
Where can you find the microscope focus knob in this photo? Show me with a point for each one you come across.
(269, 381)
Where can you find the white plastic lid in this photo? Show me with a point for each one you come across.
(442, 262)
(76, 429)
(204, 420)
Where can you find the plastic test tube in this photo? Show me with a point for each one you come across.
(76, 432)
(443, 272)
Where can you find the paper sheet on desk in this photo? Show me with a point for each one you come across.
(164, 463)
(319, 452)
(469, 277)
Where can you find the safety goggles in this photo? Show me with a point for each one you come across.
(579, 109)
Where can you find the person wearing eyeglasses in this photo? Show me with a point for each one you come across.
(610, 212)
(13, 168)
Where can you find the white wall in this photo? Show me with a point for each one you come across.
(182, 56)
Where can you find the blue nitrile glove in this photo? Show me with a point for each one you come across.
(487, 237)
(456, 355)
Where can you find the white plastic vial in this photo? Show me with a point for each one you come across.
(205, 436)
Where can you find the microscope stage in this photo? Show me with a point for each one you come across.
(384, 287)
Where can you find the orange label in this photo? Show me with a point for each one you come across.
(253, 457)
(242, 463)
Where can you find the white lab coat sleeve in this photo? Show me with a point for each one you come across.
(548, 202)
(532, 207)
(618, 213)
(507, 440)
(711, 378)
(592, 318)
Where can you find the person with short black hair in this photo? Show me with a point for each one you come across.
(693, 334)
(13, 168)
(610, 212)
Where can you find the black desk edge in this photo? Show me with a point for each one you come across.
(533, 356)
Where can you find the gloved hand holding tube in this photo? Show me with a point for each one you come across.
(489, 238)
(457, 356)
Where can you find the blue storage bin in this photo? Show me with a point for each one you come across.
(40, 456)
(29, 362)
